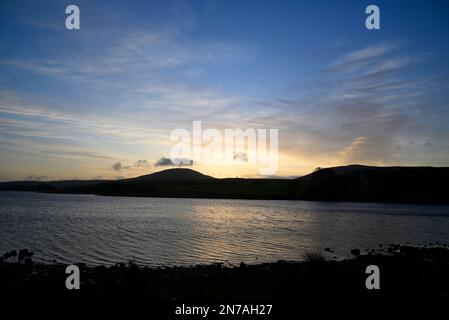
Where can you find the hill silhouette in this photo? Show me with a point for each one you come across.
(369, 183)
(345, 183)
(176, 174)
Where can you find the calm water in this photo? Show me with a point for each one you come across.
(162, 231)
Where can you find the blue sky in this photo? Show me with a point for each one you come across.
(75, 103)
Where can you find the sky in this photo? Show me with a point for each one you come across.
(100, 102)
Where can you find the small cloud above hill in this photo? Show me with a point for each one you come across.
(166, 162)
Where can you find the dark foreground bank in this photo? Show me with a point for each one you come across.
(406, 272)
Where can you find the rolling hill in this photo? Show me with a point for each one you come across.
(176, 174)
(368, 183)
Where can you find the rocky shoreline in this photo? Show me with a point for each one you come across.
(406, 272)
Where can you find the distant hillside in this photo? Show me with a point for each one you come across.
(339, 170)
(177, 174)
(346, 183)
(41, 186)
(366, 183)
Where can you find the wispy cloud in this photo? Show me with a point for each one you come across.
(368, 52)
(349, 153)
(134, 55)
(365, 59)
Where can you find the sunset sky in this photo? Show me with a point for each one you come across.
(100, 102)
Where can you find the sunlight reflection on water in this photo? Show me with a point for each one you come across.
(168, 231)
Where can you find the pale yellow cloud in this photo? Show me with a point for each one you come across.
(350, 152)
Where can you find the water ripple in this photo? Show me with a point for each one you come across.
(154, 231)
